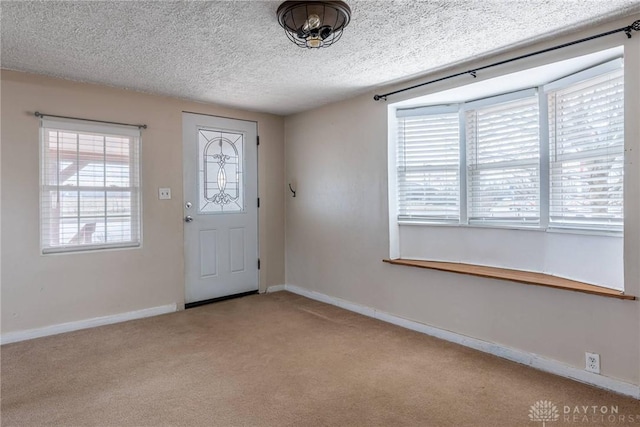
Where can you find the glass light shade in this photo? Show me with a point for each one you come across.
(312, 22)
(314, 42)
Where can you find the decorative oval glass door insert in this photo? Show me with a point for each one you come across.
(220, 180)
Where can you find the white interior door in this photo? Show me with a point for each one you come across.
(220, 206)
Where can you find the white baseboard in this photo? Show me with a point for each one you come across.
(28, 334)
(519, 356)
(275, 288)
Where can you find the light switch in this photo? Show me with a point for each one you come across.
(164, 193)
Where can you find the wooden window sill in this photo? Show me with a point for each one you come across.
(526, 277)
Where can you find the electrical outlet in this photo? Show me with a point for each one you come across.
(164, 193)
(592, 362)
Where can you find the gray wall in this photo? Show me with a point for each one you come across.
(47, 290)
(337, 234)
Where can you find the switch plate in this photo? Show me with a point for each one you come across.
(164, 193)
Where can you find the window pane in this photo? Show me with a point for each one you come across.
(503, 162)
(90, 174)
(587, 153)
(428, 167)
(118, 203)
(68, 203)
(505, 193)
(220, 179)
(68, 144)
(92, 204)
(118, 229)
(50, 159)
(90, 160)
(118, 152)
(69, 228)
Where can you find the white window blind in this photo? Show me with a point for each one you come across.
(586, 139)
(428, 166)
(503, 155)
(90, 187)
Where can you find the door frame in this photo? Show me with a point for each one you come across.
(184, 201)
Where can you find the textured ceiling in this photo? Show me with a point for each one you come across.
(234, 53)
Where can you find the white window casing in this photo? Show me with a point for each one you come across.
(586, 139)
(428, 157)
(90, 186)
(503, 154)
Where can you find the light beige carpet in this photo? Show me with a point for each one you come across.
(275, 360)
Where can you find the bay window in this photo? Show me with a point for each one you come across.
(503, 161)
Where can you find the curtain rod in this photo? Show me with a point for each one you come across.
(635, 27)
(41, 115)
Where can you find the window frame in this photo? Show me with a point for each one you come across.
(134, 189)
(489, 103)
(615, 65)
(544, 157)
(441, 110)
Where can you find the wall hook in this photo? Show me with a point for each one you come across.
(292, 190)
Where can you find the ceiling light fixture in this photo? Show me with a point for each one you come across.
(314, 24)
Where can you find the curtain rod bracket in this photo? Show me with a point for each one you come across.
(633, 27)
(42, 115)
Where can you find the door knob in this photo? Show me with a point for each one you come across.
(188, 218)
